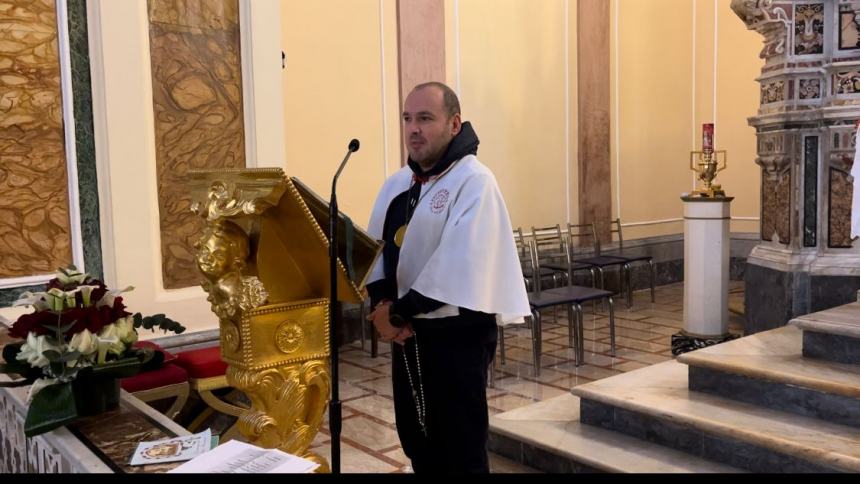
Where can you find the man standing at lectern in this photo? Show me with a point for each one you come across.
(449, 273)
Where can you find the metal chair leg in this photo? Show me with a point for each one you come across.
(611, 327)
(653, 279)
(502, 344)
(571, 326)
(626, 270)
(580, 337)
(492, 382)
(364, 322)
(536, 340)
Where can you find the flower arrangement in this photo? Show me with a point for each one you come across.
(79, 331)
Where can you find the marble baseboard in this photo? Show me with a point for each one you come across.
(691, 440)
(785, 397)
(831, 347)
(774, 297)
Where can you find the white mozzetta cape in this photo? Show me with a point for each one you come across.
(459, 247)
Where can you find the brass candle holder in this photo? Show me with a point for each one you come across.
(707, 164)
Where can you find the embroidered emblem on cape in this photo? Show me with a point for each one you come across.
(440, 199)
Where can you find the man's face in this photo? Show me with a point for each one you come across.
(427, 128)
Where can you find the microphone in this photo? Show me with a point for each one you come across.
(334, 407)
(353, 147)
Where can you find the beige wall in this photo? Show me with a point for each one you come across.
(341, 83)
(670, 75)
(509, 66)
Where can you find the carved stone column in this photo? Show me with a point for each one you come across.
(810, 99)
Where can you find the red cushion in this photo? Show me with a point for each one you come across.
(166, 375)
(202, 363)
(168, 357)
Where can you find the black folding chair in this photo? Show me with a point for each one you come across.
(615, 227)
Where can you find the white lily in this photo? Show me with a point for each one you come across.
(38, 385)
(107, 299)
(125, 330)
(31, 351)
(73, 277)
(85, 293)
(84, 342)
(109, 343)
(56, 299)
(35, 299)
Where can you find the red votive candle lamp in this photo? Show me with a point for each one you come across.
(708, 137)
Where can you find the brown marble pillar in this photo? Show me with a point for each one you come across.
(421, 44)
(595, 187)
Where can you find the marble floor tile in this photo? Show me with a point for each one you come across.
(570, 381)
(379, 386)
(509, 402)
(369, 433)
(588, 371)
(348, 391)
(363, 359)
(530, 389)
(653, 347)
(378, 406)
(629, 366)
(357, 461)
(356, 374)
(629, 333)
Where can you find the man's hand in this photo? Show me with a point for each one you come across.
(405, 333)
(379, 317)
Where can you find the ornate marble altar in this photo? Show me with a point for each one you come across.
(810, 100)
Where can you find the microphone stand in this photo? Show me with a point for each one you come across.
(334, 408)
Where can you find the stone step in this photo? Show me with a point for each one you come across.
(655, 404)
(832, 334)
(767, 369)
(548, 436)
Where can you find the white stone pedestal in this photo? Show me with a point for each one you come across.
(706, 268)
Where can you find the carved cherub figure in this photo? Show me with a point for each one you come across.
(222, 253)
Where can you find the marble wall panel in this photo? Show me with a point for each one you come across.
(841, 193)
(34, 200)
(775, 207)
(197, 99)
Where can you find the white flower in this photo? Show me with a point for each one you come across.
(109, 341)
(84, 342)
(85, 292)
(107, 299)
(125, 330)
(35, 299)
(32, 350)
(73, 277)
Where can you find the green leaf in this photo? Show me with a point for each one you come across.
(67, 327)
(58, 368)
(52, 355)
(52, 407)
(163, 322)
(70, 356)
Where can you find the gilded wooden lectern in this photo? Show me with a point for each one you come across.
(265, 264)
